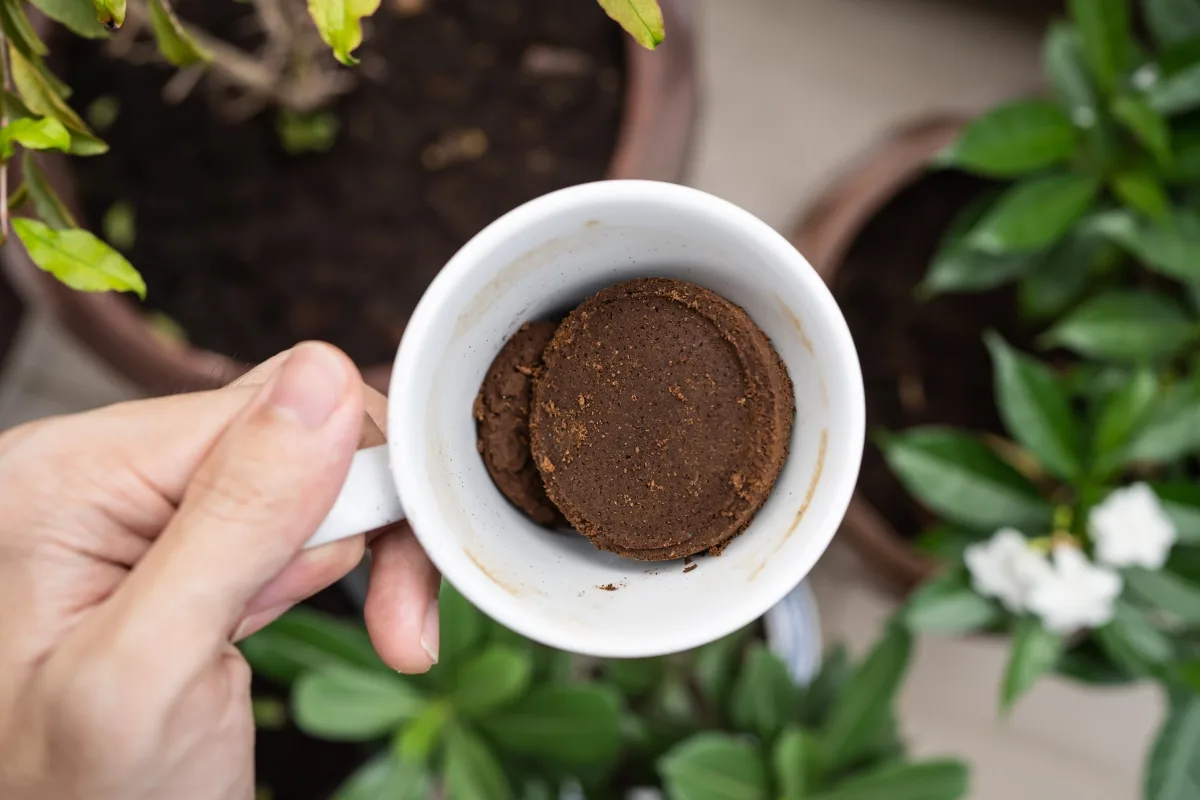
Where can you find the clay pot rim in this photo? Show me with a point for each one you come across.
(825, 233)
(653, 142)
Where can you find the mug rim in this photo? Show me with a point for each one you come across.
(422, 511)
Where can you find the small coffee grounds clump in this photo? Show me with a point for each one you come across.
(660, 420)
(502, 414)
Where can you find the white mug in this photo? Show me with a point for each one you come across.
(538, 261)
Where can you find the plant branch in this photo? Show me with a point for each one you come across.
(6, 69)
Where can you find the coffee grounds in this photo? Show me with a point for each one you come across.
(661, 419)
(502, 413)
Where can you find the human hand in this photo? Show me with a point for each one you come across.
(138, 542)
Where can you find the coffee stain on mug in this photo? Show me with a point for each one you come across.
(822, 447)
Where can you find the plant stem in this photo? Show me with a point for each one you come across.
(6, 69)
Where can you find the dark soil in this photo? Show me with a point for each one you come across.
(251, 249)
(924, 363)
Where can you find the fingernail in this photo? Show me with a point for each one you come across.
(431, 636)
(257, 620)
(310, 385)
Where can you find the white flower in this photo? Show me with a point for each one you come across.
(1076, 594)
(1007, 568)
(1131, 529)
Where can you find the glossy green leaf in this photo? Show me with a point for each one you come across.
(386, 776)
(419, 737)
(78, 259)
(462, 628)
(19, 29)
(634, 676)
(471, 770)
(111, 13)
(1171, 247)
(715, 667)
(1176, 93)
(1146, 123)
(574, 725)
(796, 763)
(1035, 213)
(1035, 408)
(1119, 419)
(340, 24)
(961, 479)
(34, 134)
(46, 202)
(492, 679)
(642, 19)
(958, 267)
(1086, 663)
(1165, 592)
(1130, 326)
(1060, 277)
(1013, 139)
(1173, 771)
(922, 780)
(945, 541)
(1107, 44)
(349, 704)
(1171, 429)
(764, 697)
(714, 766)
(1034, 653)
(1172, 21)
(78, 16)
(38, 97)
(1140, 191)
(82, 144)
(818, 698)
(303, 639)
(176, 44)
(865, 703)
(1063, 63)
(948, 606)
(1181, 501)
(1132, 642)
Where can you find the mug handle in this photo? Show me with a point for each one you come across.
(367, 501)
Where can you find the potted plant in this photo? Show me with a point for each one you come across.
(1065, 223)
(502, 717)
(277, 195)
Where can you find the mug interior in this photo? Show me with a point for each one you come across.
(538, 262)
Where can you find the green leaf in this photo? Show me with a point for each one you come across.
(49, 207)
(177, 46)
(472, 771)
(386, 776)
(1181, 501)
(796, 764)
(575, 725)
(1014, 139)
(1185, 167)
(493, 679)
(1035, 213)
(1034, 653)
(1107, 45)
(818, 698)
(1173, 771)
(865, 703)
(1171, 429)
(303, 639)
(1129, 326)
(349, 704)
(634, 676)
(1061, 277)
(1176, 93)
(1035, 408)
(1171, 247)
(1119, 418)
(1088, 664)
(961, 479)
(944, 541)
(419, 737)
(270, 713)
(79, 16)
(19, 30)
(110, 13)
(1132, 642)
(78, 259)
(764, 697)
(34, 134)
(1140, 191)
(714, 766)
(928, 780)
(1062, 61)
(1146, 124)
(715, 667)
(462, 627)
(1172, 21)
(39, 97)
(957, 267)
(1164, 592)
(948, 606)
(642, 19)
(119, 225)
(340, 24)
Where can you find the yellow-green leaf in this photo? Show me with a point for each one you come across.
(83, 143)
(642, 19)
(78, 259)
(174, 42)
(340, 24)
(19, 29)
(36, 134)
(111, 13)
(38, 98)
(79, 16)
(49, 207)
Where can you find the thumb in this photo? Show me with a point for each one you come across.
(255, 499)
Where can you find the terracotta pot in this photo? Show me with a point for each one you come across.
(824, 235)
(653, 143)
